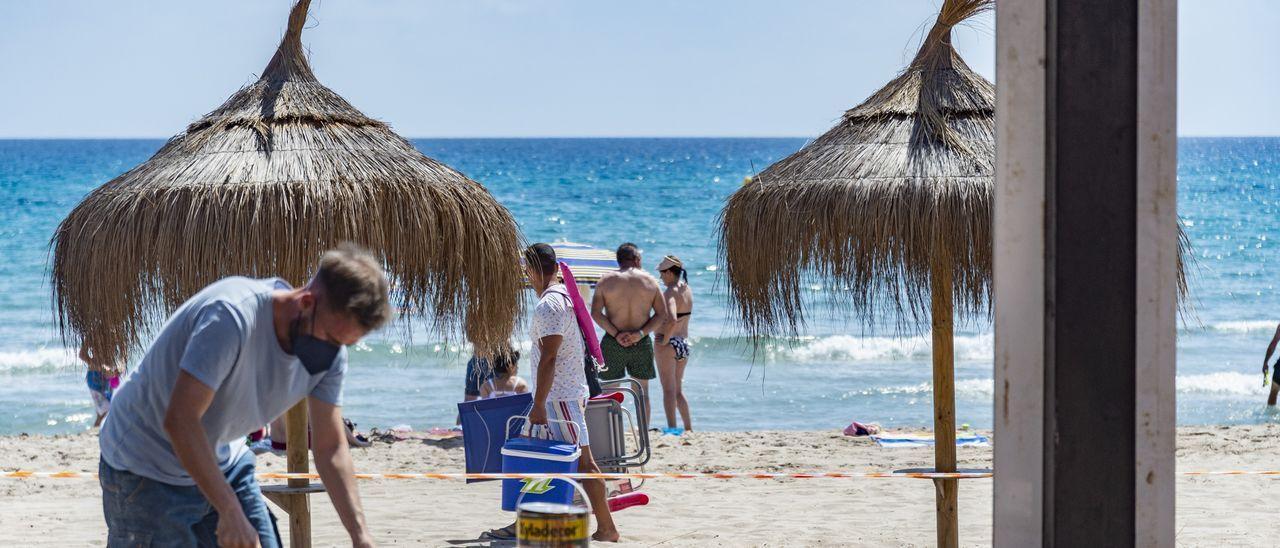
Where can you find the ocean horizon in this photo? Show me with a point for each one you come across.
(664, 193)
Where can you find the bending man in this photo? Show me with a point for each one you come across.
(175, 470)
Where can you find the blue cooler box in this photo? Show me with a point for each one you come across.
(532, 455)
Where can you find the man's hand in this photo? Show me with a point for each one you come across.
(630, 338)
(538, 415)
(235, 531)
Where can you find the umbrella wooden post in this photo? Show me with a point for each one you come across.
(300, 511)
(944, 409)
(294, 497)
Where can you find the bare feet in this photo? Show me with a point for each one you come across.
(606, 536)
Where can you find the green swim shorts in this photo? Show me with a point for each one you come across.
(635, 360)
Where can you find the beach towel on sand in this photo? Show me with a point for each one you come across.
(907, 440)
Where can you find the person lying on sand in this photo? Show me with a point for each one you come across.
(174, 469)
(277, 434)
(628, 306)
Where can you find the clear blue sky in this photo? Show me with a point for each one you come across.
(492, 68)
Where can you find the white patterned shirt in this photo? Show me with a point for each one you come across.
(554, 316)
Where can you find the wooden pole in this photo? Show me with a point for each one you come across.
(298, 462)
(944, 409)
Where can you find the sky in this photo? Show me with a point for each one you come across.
(552, 68)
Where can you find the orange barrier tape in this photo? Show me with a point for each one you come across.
(24, 474)
(27, 474)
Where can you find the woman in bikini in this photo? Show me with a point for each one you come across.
(505, 380)
(671, 346)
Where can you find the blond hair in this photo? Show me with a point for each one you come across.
(353, 282)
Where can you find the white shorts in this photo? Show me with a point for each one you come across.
(568, 411)
(100, 402)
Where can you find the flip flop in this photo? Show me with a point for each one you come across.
(505, 533)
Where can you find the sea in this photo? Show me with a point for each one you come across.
(665, 195)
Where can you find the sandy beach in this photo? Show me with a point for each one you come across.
(1222, 511)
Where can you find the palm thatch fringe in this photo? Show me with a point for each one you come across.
(261, 186)
(901, 186)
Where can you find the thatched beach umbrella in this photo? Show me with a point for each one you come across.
(282, 171)
(891, 209)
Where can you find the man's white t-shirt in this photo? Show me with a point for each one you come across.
(554, 316)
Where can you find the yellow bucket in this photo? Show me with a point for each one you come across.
(546, 525)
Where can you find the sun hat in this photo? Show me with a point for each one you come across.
(668, 262)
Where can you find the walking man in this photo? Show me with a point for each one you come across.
(560, 383)
(628, 305)
(175, 470)
(1275, 387)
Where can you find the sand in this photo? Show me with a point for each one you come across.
(1220, 511)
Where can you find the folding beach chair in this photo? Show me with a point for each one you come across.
(618, 436)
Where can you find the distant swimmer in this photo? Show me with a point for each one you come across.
(1271, 348)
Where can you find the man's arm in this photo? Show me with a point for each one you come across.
(187, 405)
(661, 313)
(333, 462)
(597, 313)
(550, 346)
(1270, 349)
(669, 320)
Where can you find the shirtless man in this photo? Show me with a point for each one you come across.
(628, 305)
(1275, 386)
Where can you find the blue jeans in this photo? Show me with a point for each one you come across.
(144, 512)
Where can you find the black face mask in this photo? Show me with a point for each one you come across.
(316, 355)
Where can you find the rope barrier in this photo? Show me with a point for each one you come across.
(24, 474)
(979, 474)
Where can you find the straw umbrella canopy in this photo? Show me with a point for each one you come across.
(892, 207)
(261, 186)
(899, 188)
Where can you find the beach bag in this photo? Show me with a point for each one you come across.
(486, 426)
(593, 360)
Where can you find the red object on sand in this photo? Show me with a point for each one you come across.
(628, 500)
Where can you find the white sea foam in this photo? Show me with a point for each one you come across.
(1223, 383)
(1244, 326)
(850, 348)
(43, 358)
(1226, 383)
(967, 388)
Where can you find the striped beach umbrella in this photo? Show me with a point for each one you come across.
(588, 263)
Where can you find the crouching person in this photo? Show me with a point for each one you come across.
(175, 470)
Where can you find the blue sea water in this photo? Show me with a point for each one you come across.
(664, 194)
